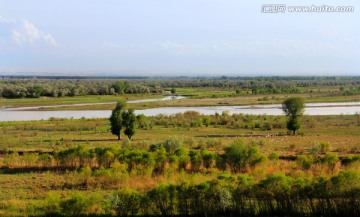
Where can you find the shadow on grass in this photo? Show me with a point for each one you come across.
(80, 140)
(9, 170)
(89, 140)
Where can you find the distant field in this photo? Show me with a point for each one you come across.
(43, 101)
(231, 99)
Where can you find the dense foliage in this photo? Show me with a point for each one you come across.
(275, 195)
(235, 192)
(20, 88)
(191, 119)
(59, 88)
(168, 154)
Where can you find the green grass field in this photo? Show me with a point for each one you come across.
(342, 132)
(44, 101)
(30, 187)
(25, 192)
(187, 102)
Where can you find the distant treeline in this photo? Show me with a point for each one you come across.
(67, 77)
(59, 88)
(20, 88)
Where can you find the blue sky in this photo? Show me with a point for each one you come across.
(177, 37)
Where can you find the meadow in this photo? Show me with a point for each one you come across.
(184, 164)
(76, 167)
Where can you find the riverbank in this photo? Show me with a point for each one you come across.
(154, 101)
(49, 101)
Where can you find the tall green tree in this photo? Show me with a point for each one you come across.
(294, 109)
(116, 119)
(129, 121)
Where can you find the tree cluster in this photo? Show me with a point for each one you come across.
(191, 119)
(120, 119)
(60, 88)
(16, 88)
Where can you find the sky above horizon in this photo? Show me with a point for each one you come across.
(177, 37)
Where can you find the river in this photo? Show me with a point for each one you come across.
(348, 108)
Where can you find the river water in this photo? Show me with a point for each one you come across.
(348, 108)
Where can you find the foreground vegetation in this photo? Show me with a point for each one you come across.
(170, 179)
(110, 181)
(184, 164)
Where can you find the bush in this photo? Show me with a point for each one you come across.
(330, 159)
(126, 202)
(324, 147)
(273, 156)
(172, 144)
(239, 156)
(304, 161)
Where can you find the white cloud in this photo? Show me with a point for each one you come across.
(29, 33)
(187, 48)
(49, 39)
(336, 33)
(279, 47)
(16, 36)
(112, 45)
(171, 45)
(211, 48)
(5, 20)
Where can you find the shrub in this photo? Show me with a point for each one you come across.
(239, 156)
(126, 202)
(304, 161)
